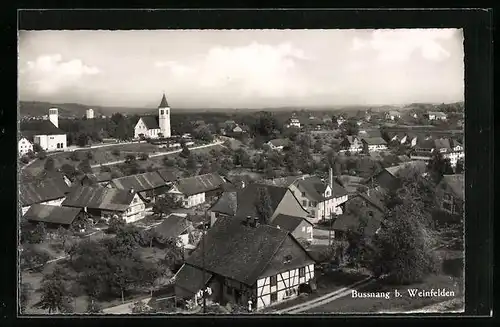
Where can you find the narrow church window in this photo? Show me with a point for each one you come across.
(161, 112)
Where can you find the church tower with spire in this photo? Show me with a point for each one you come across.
(164, 117)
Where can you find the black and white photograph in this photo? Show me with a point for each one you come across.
(240, 171)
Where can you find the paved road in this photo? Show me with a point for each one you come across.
(159, 154)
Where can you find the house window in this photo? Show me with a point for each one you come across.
(229, 290)
(273, 281)
(304, 203)
(313, 212)
(303, 194)
(302, 272)
(303, 229)
(274, 297)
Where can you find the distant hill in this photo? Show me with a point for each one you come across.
(35, 108)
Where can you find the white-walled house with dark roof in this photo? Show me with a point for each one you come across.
(47, 133)
(24, 146)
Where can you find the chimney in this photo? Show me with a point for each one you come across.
(132, 191)
(255, 221)
(248, 220)
(330, 177)
(53, 116)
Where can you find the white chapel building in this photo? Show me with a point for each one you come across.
(48, 135)
(155, 126)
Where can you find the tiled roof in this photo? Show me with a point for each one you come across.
(172, 226)
(375, 197)
(51, 214)
(313, 186)
(456, 183)
(98, 177)
(41, 127)
(248, 197)
(42, 190)
(280, 142)
(417, 164)
(283, 181)
(168, 175)
(163, 103)
(139, 182)
(191, 279)
(151, 122)
(374, 140)
(199, 184)
(288, 223)
(99, 198)
(237, 251)
(442, 143)
(226, 204)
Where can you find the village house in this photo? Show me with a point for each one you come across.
(24, 146)
(300, 228)
(392, 115)
(105, 203)
(243, 203)
(278, 144)
(148, 185)
(54, 217)
(340, 120)
(360, 225)
(193, 191)
(435, 115)
(293, 122)
(175, 226)
(450, 194)
(155, 126)
(351, 144)
(233, 263)
(50, 191)
(449, 148)
(388, 178)
(46, 133)
(373, 144)
(320, 199)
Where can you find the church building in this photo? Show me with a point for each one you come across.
(155, 126)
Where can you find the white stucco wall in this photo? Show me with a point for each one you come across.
(164, 121)
(52, 142)
(24, 146)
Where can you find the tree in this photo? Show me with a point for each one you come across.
(24, 295)
(140, 307)
(203, 133)
(185, 151)
(93, 306)
(40, 232)
(115, 223)
(49, 165)
(318, 146)
(115, 152)
(55, 296)
(82, 140)
(74, 156)
(64, 235)
(439, 166)
(69, 170)
(168, 162)
(37, 148)
(174, 256)
(460, 167)
(350, 127)
(165, 205)
(130, 158)
(90, 155)
(85, 166)
(191, 163)
(143, 156)
(263, 205)
(32, 258)
(25, 159)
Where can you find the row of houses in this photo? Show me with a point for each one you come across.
(431, 115)
(355, 144)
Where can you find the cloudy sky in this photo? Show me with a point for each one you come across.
(242, 68)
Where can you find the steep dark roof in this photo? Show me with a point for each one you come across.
(226, 204)
(163, 103)
(456, 183)
(172, 226)
(248, 196)
(237, 251)
(352, 223)
(42, 190)
(374, 140)
(338, 190)
(416, 164)
(139, 182)
(288, 223)
(99, 198)
(151, 122)
(375, 197)
(168, 175)
(40, 127)
(191, 279)
(313, 186)
(423, 143)
(98, 177)
(51, 214)
(199, 184)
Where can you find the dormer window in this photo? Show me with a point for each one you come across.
(288, 258)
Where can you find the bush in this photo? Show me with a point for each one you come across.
(74, 156)
(143, 156)
(42, 155)
(115, 152)
(32, 257)
(25, 159)
(90, 155)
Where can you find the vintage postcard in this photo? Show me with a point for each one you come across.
(241, 171)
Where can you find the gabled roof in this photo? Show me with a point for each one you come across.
(191, 279)
(374, 140)
(456, 183)
(352, 223)
(283, 181)
(313, 186)
(168, 175)
(417, 164)
(442, 143)
(375, 197)
(52, 214)
(42, 190)
(139, 182)
(98, 177)
(199, 184)
(172, 226)
(437, 113)
(423, 143)
(237, 251)
(248, 197)
(226, 204)
(280, 142)
(151, 122)
(163, 103)
(99, 198)
(40, 127)
(288, 223)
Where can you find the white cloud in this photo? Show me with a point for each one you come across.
(398, 45)
(255, 70)
(49, 73)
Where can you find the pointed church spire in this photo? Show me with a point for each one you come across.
(164, 103)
